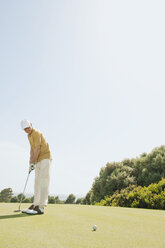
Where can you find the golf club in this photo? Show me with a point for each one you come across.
(18, 210)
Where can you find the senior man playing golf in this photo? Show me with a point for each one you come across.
(40, 159)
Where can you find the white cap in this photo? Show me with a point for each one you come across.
(25, 124)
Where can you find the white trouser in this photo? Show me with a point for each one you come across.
(42, 181)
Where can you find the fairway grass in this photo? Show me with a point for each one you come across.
(70, 226)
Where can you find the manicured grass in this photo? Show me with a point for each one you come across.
(70, 226)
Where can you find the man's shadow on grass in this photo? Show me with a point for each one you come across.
(12, 216)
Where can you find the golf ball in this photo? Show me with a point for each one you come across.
(94, 228)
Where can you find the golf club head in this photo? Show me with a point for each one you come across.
(18, 210)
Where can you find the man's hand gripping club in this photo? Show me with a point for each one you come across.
(33, 158)
(31, 167)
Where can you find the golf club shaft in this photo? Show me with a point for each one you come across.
(24, 190)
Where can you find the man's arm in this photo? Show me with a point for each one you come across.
(31, 156)
(34, 155)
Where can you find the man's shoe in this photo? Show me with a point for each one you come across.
(36, 210)
(28, 209)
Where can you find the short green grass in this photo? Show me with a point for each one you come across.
(70, 226)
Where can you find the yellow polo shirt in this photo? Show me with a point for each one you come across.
(36, 138)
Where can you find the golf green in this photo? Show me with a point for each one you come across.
(70, 226)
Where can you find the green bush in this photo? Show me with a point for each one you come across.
(27, 200)
(51, 199)
(152, 197)
(14, 199)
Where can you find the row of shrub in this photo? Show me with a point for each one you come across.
(6, 195)
(151, 197)
(51, 199)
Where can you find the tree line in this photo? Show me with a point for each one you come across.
(116, 176)
(115, 181)
(6, 195)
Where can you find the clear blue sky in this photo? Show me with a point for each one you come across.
(90, 75)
